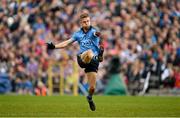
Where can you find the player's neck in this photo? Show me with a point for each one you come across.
(86, 29)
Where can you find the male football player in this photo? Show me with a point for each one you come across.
(90, 53)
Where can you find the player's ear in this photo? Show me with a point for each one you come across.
(80, 22)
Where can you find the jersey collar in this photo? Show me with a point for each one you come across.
(87, 31)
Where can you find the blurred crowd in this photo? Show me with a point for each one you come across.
(143, 34)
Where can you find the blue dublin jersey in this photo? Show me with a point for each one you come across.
(87, 40)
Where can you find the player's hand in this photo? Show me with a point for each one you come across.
(98, 34)
(50, 45)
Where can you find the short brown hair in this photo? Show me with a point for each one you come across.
(84, 15)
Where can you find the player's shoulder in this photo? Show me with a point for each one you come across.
(93, 28)
(77, 32)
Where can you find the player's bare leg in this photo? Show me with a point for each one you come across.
(86, 58)
(88, 55)
(92, 84)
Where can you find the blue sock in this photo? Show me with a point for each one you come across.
(89, 97)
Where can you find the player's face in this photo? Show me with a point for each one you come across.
(85, 22)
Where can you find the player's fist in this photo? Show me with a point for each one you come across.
(50, 45)
(98, 34)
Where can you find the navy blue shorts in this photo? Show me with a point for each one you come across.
(90, 67)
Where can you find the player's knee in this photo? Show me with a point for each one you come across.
(86, 59)
(90, 53)
(87, 56)
(92, 89)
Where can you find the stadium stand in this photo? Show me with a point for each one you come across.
(143, 34)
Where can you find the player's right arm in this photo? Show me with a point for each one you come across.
(60, 45)
(64, 44)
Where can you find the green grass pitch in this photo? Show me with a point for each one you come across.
(77, 106)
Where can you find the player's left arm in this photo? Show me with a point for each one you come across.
(101, 47)
(98, 34)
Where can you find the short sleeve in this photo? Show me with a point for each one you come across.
(74, 37)
(93, 32)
